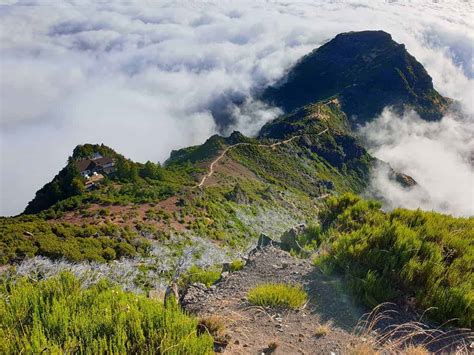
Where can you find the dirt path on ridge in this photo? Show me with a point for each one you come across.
(222, 155)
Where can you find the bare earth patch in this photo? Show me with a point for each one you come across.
(129, 215)
(228, 167)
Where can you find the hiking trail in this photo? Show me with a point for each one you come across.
(222, 155)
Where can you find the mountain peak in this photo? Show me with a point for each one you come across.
(367, 71)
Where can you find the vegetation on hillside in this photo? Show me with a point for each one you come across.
(208, 150)
(68, 181)
(130, 182)
(264, 181)
(367, 71)
(402, 254)
(310, 119)
(28, 236)
(302, 167)
(333, 160)
(58, 316)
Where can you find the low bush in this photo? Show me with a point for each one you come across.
(401, 254)
(58, 316)
(27, 236)
(278, 295)
(195, 274)
(236, 265)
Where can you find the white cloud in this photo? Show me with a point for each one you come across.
(438, 155)
(145, 77)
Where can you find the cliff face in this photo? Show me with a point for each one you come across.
(366, 71)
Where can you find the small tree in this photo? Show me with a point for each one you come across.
(126, 170)
(152, 171)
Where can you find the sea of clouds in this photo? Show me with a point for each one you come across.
(145, 77)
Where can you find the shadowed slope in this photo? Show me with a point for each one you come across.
(367, 71)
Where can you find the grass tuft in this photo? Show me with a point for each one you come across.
(278, 295)
(236, 265)
(195, 274)
(322, 330)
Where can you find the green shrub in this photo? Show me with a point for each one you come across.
(58, 316)
(27, 236)
(109, 254)
(195, 274)
(278, 295)
(236, 265)
(388, 256)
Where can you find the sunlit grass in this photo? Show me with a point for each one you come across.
(58, 316)
(237, 265)
(427, 255)
(208, 276)
(278, 295)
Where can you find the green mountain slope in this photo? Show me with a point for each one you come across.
(367, 71)
(230, 189)
(217, 191)
(302, 168)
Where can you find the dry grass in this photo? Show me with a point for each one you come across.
(412, 338)
(415, 350)
(322, 330)
(213, 325)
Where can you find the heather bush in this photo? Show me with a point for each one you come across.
(58, 316)
(390, 256)
(28, 236)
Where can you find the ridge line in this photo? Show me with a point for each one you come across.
(222, 155)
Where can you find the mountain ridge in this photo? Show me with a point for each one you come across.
(366, 71)
(292, 190)
(400, 81)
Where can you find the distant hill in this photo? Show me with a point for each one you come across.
(366, 71)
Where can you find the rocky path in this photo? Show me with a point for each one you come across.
(326, 325)
(223, 154)
(321, 327)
